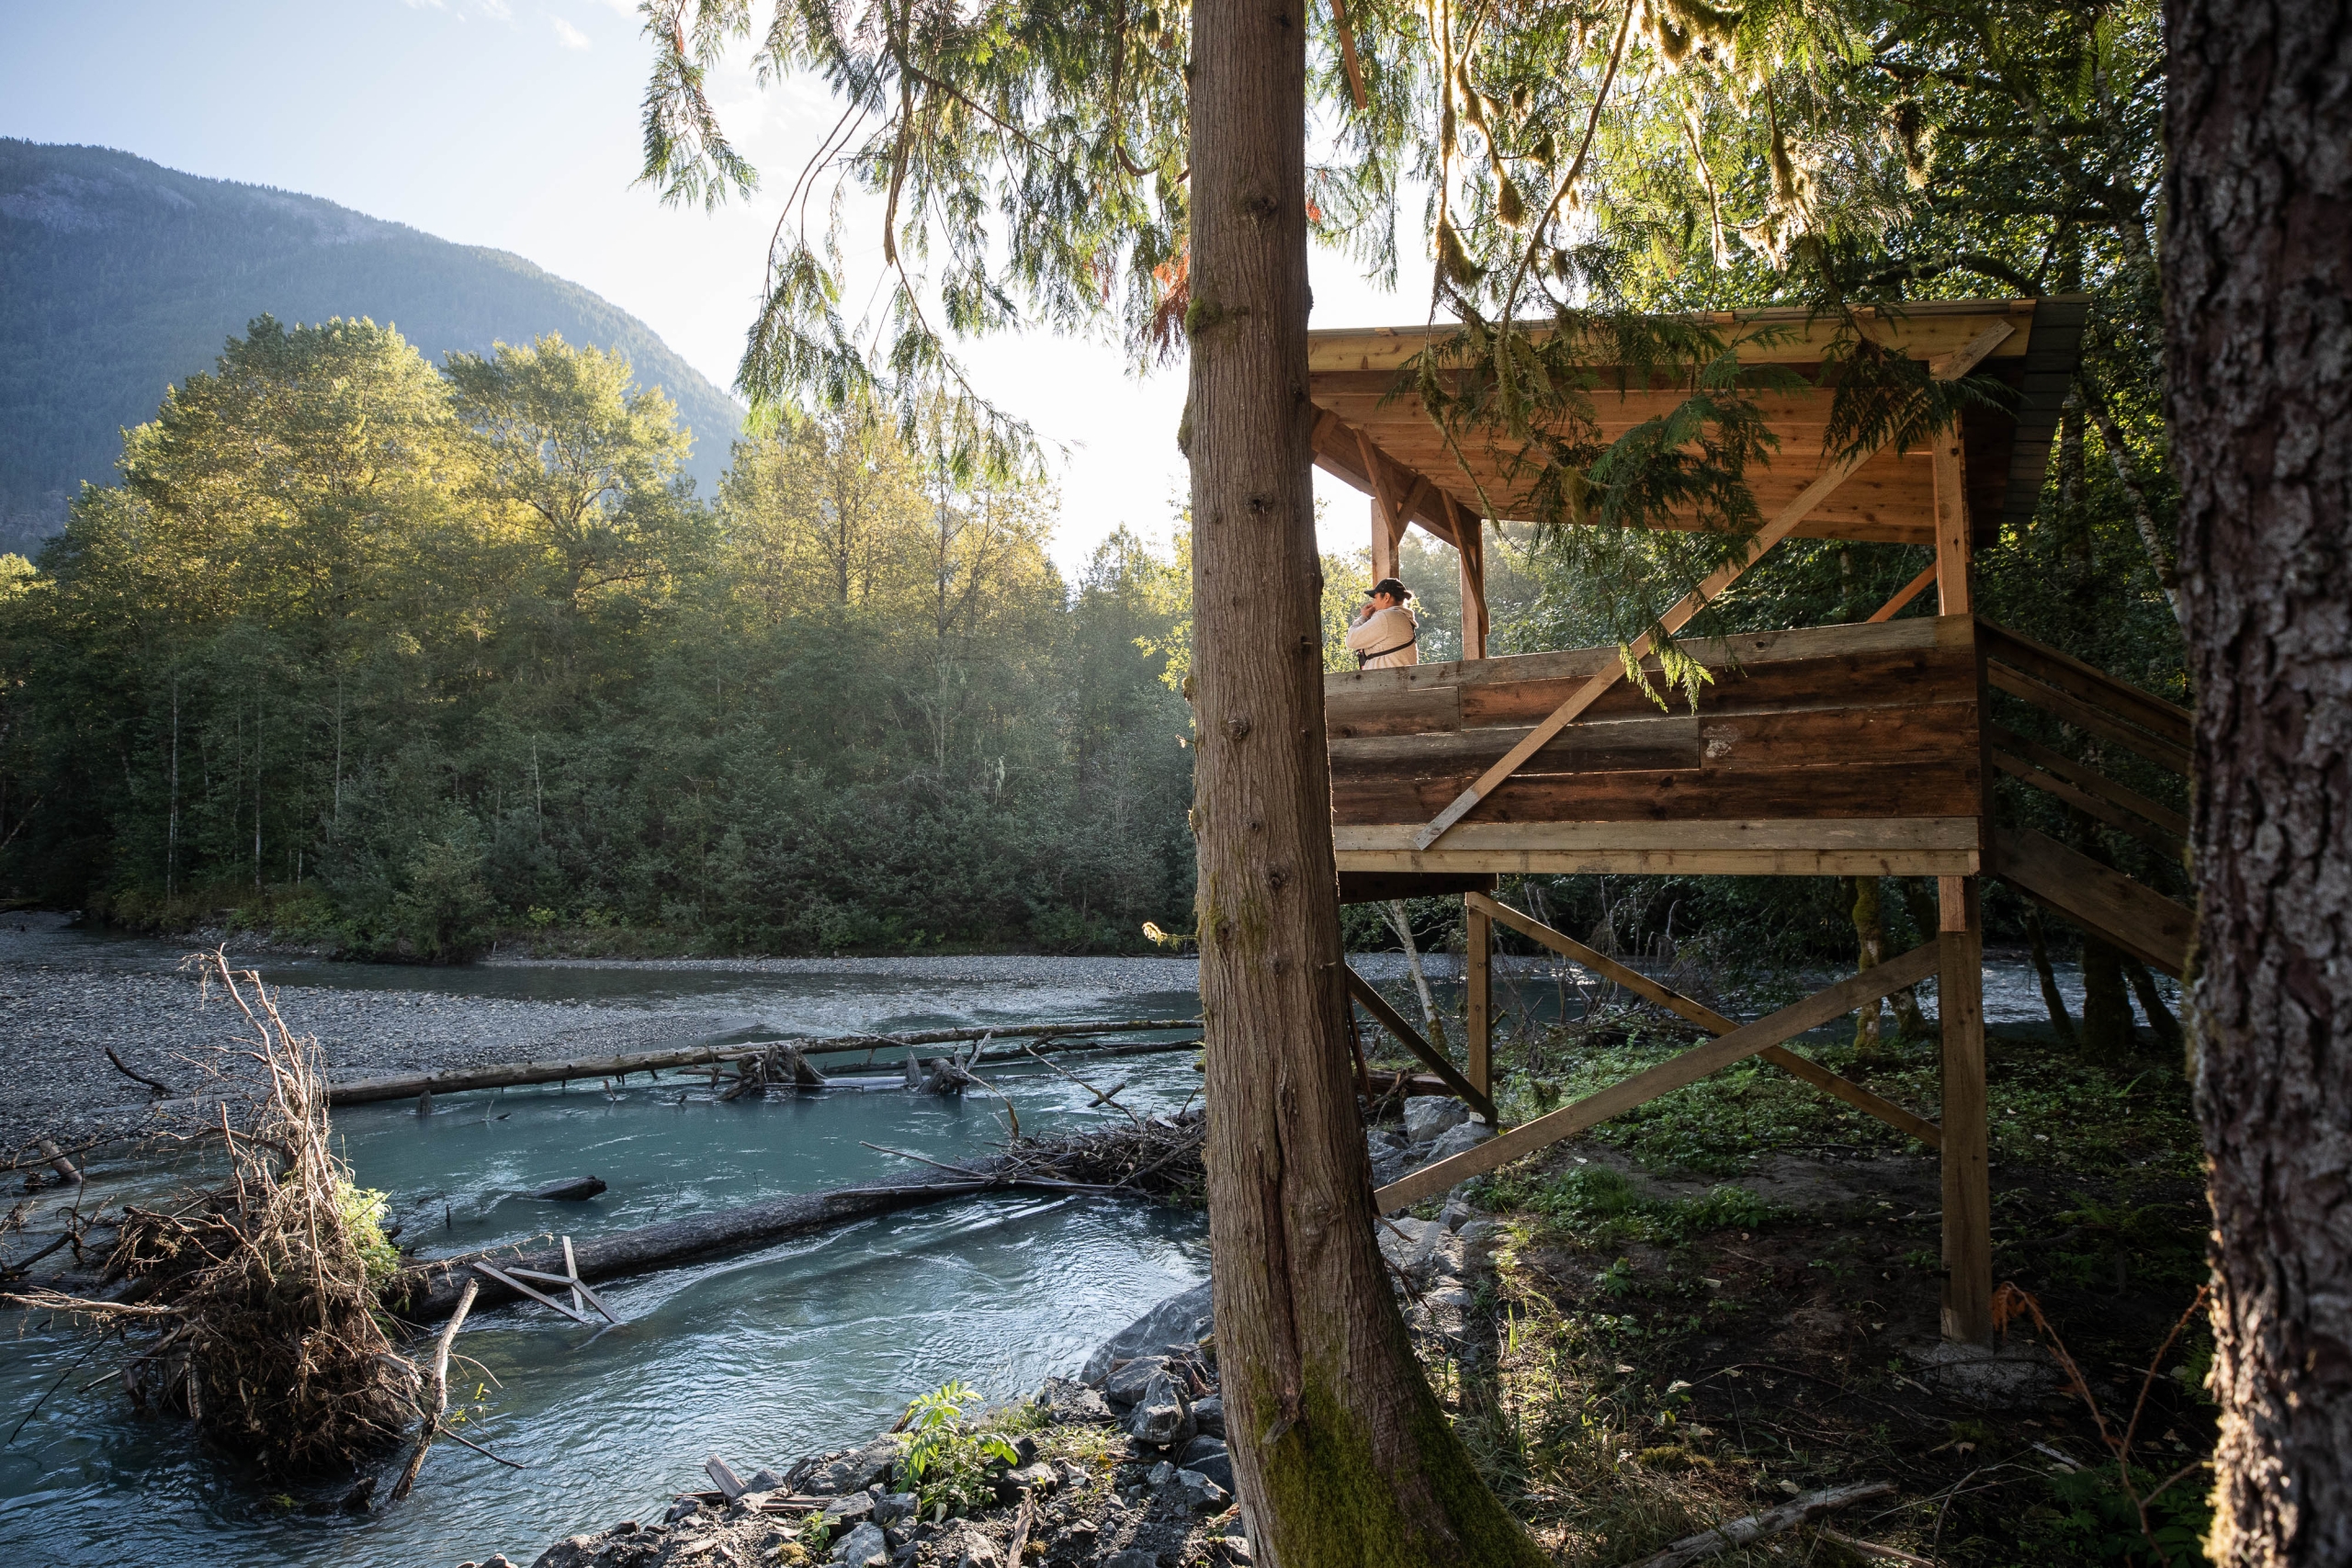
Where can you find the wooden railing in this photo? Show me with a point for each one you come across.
(2127, 912)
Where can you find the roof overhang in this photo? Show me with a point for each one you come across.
(1360, 383)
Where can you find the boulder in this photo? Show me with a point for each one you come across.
(1427, 1115)
(855, 1471)
(851, 1509)
(1460, 1138)
(864, 1547)
(892, 1506)
(1163, 1415)
(1126, 1386)
(1201, 1495)
(1208, 1456)
(1208, 1411)
(1180, 1319)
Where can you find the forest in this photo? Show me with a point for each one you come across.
(393, 658)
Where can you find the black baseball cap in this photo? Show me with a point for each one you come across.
(1389, 585)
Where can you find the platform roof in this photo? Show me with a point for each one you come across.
(1361, 387)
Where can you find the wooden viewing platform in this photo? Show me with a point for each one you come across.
(1861, 750)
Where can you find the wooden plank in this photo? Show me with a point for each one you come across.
(1707, 1019)
(1662, 862)
(2148, 833)
(1968, 1208)
(1903, 595)
(2089, 683)
(1778, 834)
(1478, 992)
(2093, 720)
(1389, 1019)
(2132, 915)
(1663, 740)
(1924, 734)
(1953, 543)
(1432, 708)
(1895, 677)
(1859, 790)
(1672, 1074)
(1743, 650)
(1797, 336)
(2086, 778)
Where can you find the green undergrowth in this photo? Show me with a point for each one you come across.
(1601, 1207)
(2048, 1107)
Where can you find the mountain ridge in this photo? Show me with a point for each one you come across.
(124, 276)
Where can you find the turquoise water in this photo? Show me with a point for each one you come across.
(809, 1343)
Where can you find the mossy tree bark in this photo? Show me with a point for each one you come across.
(2258, 357)
(1341, 1454)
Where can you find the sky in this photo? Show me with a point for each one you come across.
(513, 123)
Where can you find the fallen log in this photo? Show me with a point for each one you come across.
(509, 1075)
(427, 1290)
(1756, 1527)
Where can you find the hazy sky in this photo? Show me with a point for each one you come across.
(513, 123)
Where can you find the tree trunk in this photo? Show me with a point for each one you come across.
(1342, 1454)
(2061, 1023)
(2258, 350)
(1870, 942)
(2106, 1006)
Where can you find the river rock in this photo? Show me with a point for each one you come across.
(1180, 1319)
(1208, 1412)
(892, 1506)
(1201, 1495)
(864, 1547)
(1460, 1138)
(1123, 1387)
(1163, 1415)
(851, 1508)
(1427, 1115)
(855, 1471)
(573, 1191)
(1208, 1456)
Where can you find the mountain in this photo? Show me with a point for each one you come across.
(119, 278)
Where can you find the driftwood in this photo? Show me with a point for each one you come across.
(409, 1086)
(438, 1406)
(1756, 1527)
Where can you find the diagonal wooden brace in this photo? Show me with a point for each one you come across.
(1949, 367)
(1389, 1019)
(1671, 1074)
(1707, 1018)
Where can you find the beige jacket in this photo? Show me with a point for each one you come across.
(1389, 636)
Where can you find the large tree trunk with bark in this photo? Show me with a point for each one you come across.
(1342, 1454)
(2258, 345)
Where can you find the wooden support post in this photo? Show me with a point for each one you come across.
(1384, 544)
(1470, 546)
(1968, 1210)
(1952, 525)
(1478, 993)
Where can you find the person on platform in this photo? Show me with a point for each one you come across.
(1384, 631)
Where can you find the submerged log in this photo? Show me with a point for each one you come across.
(578, 1189)
(430, 1289)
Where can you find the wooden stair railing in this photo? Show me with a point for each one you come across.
(2128, 913)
